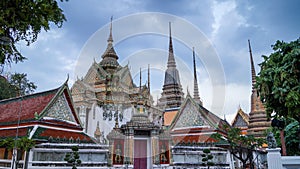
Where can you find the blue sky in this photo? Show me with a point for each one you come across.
(218, 30)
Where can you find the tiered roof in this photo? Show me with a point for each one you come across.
(42, 116)
(172, 95)
(258, 122)
(194, 123)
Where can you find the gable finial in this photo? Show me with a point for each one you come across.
(187, 90)
(66, 82)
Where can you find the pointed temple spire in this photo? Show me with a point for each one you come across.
(172, 95)
(258, 122)
(110, 57)
(253, 74)
(140, 79)
(196, 91)
(149, 77)
(171, 59)
(110, 39)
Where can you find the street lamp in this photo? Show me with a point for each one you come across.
(14, 164)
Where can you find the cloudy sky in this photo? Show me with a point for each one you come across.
(219, 31)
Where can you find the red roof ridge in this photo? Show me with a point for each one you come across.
(4, 101)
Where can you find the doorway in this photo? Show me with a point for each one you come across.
(140, 154)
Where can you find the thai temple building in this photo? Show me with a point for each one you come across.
(115, 123)
(106, 96)
(50, 119)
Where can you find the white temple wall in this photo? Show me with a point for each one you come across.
(96, 115)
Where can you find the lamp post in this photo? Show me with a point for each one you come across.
(14, 164)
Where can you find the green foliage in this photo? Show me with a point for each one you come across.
(7, 90)
(23, 20)
(240, 146)
(22, 143)
(290, 136)
(22, 83)
(278, 82)
(73, 158)
(25, 143)
(207, 158)
(291, 140)
(18, 84)
(7, 142)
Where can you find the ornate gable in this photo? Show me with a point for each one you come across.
(94, 73)
(125, 76)
(241, 119)
(240, 122)
(60, 110)
(189, 116)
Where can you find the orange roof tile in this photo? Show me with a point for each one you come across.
(194, 138)
(169, 116)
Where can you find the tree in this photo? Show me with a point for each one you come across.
(7, 90)
(241, 146)
(290, 136)
(17, 84)
(22, 145)
(25, 144)
(73, 158)
(278, 82)
(22, 83)
(23, 21)
(7, 143)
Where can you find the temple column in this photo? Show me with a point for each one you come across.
(155, 146)
(129, 147)
(110, 153)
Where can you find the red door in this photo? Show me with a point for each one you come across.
(140, 154)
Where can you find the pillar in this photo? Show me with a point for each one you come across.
(128, 146)
(274, 158)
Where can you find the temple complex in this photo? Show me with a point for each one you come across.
(115, 123)
(140, 134)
